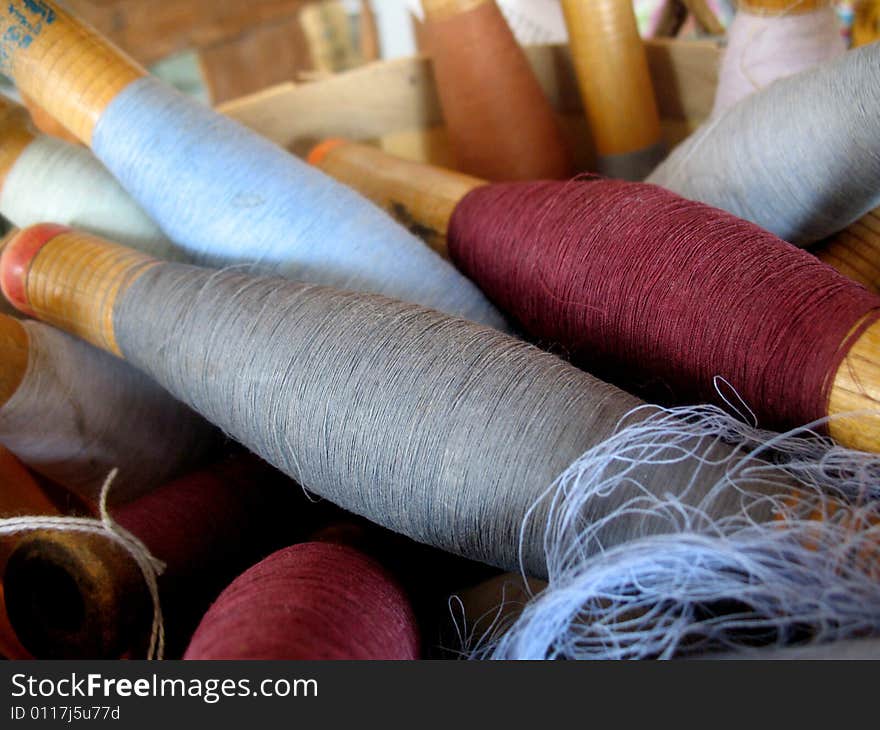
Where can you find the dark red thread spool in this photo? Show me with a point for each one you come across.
(642, 286)
(315, 600)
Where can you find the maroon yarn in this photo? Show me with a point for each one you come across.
(310, 601)
(647, 288)
(199, 524)
(207, 527)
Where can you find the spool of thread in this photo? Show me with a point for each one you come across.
(47, 179)
(771, 39)
(311, 601)
(500, 123)
(72, 413)
(800, 158)
(19, 495)
(376, 405)
(615, 84)
(80, 596)
(237, 197)
(641, 285)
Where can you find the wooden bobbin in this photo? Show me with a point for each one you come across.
(16, 133)
(13, 360)
(70, 279)
(62, 64)
(74, 595)
(45, 122)
(20, 495)
(420, 197)
(780, 7)
(501, 125)
(615, 84)
(855, 251)
(433, 194)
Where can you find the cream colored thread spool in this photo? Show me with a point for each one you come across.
(615, 84)
(430, 196)
(766, 42)
(87, 72)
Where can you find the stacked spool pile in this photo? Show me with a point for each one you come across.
(197, 289)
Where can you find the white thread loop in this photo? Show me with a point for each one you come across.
(151, 567)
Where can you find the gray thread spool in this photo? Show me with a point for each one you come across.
(79, 413)
(440, 429)
(800, 158)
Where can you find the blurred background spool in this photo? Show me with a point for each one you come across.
(43, 178)
(284, 361)
(81, 596)
(72, 413)
(801, 158)
(237, 197)
(316, 600)
(522, 261)
(501, 124)
(772, 39)
(615, 86)
(19, 495)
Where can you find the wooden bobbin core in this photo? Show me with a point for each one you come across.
(75, 595)
(65, 66)
(780, 7)
(855, 251)
(69, 279)
(441, 9)
(16, 134)
(615, 85)
(14, 349)
(420, 197)
(856, 389)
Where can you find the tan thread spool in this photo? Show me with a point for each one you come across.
(500, 123)
(67, 68)
(429, 195)
(615, 85)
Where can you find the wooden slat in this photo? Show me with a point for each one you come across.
(395, 98)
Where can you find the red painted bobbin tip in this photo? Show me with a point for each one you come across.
(322, 149)
(15, 262)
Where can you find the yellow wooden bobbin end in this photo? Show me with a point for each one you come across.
(65, 66)
(69, 279)
(420, 197)
(855, 389)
